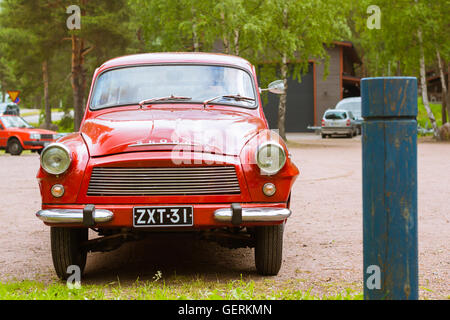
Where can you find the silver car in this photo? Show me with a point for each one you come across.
(352, 104)
(338, 122)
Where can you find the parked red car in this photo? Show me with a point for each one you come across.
(174, 142)
(17, 135)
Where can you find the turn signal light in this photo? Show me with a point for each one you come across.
(269, 189)
(57, 190)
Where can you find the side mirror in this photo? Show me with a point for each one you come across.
(276, 87)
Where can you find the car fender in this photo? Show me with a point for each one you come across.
(16, 137)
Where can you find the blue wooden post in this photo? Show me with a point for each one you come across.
(389, 156)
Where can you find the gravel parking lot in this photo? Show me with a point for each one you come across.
(323, 239)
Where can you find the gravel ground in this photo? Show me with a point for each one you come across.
(323, 237)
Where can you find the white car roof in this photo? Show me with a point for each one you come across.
(352, 99)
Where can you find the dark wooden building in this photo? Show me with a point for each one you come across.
(309, 99)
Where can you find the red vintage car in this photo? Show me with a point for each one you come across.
(17, 135)
(174, 142)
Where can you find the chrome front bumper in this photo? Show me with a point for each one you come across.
(75, 216)
(72, 215)
(254, 214)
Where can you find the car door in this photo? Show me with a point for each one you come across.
(3, 135)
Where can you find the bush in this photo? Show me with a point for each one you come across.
(66, 124)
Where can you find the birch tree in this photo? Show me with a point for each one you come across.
(297, 31)
(411, 33)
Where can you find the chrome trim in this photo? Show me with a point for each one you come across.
(58, 145)
(163, 144)
(128, 181)
(254, 214)
(263, 145)
(72, 215)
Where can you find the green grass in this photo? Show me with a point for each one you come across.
(159, 290)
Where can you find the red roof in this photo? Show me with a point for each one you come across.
(177, 57)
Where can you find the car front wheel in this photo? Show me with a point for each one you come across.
(14, 147)
(269, 249)
(66, 249)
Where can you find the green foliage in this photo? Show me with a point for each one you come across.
(301, 30)
(66, 124)
(394, 47)
(35, 30)
(262, 31)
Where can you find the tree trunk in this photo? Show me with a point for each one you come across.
(283, 98)
(2, 85)
(448, 89)
(140, 39)
(444, 88)
(78, 80)
(226, 43)
(398, 71)
(194, 31)
(37, 102)
(423, 82)
(236, 42)
(48, 110)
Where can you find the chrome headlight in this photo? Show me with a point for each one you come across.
(55, 159)
(35, 136)
(270, 157)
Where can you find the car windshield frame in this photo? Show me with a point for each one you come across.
(6, 123)
(232, 102)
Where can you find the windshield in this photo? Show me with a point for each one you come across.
(15, 122)
(131, 85)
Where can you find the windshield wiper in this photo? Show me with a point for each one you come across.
(236, 97)
(168, 98)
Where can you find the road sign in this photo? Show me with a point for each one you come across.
(13, 95)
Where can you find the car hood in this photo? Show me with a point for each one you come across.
(209, 130)
(31, 130)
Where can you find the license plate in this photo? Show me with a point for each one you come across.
(163, 216)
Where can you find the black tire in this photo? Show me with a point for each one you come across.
(269, 249)
(14, 147)
(66, 249)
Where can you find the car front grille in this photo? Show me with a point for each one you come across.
(112, 181)
(46, 137)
